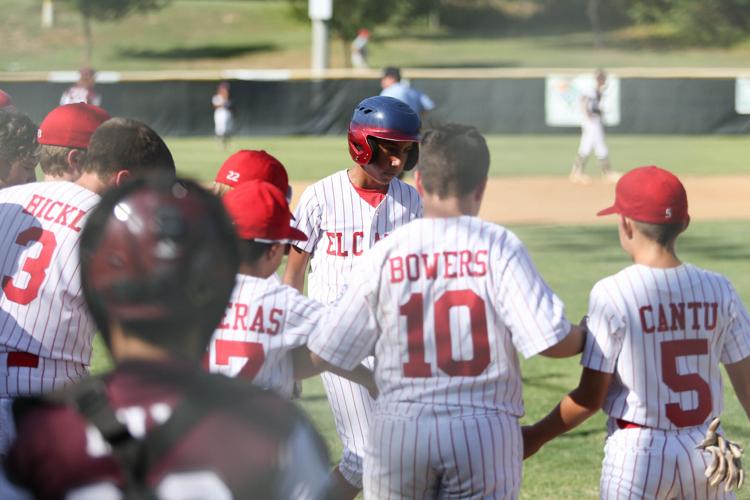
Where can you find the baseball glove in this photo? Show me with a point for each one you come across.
(726, 459)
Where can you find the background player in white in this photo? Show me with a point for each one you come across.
(223, 118)
(392, 86)
(64, 137)
(659, 329)
(83, 90)
(263, 334)
(344, 215)
(446, 302)
(592, 134)
(45, 328)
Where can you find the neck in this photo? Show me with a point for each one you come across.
(92, 182)
(359, 178)
(652, 254)
(450, 206)
(126, 347)
(259, 269)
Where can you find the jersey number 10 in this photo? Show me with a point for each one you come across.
(413, 309)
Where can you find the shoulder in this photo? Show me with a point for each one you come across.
(325, 186)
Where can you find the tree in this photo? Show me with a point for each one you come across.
(108, 10)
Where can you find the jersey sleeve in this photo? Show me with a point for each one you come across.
(737, 342)
(307, 218)
(606, 331)
(348, 333)
(303, 314)
(304, 463)
(532, 312)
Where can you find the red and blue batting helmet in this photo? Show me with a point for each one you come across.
(383, 117)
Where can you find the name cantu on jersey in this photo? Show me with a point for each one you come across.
(445, 265)
(675, 316)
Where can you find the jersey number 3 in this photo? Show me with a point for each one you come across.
(413, 309)
(35, 267)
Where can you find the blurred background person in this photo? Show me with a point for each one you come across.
(223, 119)
(5, 100)
(359, 49)
(83, 90)
(19, 150)
(393, 87)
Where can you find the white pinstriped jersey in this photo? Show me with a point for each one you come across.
(42, 308)
(340, 226)
(663, 333)
(263, 323)
(445, 304)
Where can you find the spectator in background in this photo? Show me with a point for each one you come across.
(359, 49)
(394, 87)
(5, 100)
(83, 90)
(19, 150)
(64, 136)
(223, 119)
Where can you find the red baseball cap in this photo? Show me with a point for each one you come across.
(261, 213)
(650, 194)
(247, 164)
(71, 125)
(5, 100)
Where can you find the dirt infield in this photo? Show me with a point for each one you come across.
(554, 200)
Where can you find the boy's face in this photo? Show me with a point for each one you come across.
(390, 158)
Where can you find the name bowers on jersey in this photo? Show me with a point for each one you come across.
(675, 316)
(240, 317)
(55, 211)
(445, 265)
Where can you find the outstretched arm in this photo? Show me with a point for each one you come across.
(584, 401)
(307, 364)
(571, 345)
(739, 375)
(296, 267)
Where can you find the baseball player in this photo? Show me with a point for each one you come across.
(592, 135)
(5, 100)
(659, 329)
(46, 330)
(446, 302)
(249, 164)
(343, 216)
(393, 87)
(83, 90)
(19, 151)
(64, 136)
(158, 263)
(263, 334)
(223, 119)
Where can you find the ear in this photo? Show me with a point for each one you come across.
(74, 159)
(122, 176)
(418, 183)
(479, 190)
(627, 226)
(275, 249)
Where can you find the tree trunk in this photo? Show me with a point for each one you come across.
(592, 11)
(88, 39)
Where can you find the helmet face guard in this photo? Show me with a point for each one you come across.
(382, 117)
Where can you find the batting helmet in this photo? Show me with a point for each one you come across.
(159, 256)
(387, 118)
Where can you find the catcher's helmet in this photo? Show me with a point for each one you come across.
(383, 117)
(159, 256)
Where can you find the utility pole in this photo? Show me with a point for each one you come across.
(48, 14)
(320, 12)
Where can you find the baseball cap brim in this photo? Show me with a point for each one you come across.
(293, 234)
(607, 211)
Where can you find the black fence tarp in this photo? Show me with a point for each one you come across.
(495, 105)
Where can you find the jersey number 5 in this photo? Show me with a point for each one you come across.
(250, 351)
(413, 309)
(35, 267)
(670, 351)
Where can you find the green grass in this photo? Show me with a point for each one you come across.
(572, 259)
(310, 158)
(205, 34)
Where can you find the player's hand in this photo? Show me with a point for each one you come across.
(726, 459)
(530, 442)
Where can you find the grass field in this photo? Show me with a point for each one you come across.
(204, 34)
(310, 158)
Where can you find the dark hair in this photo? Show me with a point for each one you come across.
(17, 136)
(54, 159)
(393, 72)
(453, 160)
(251, 251)
(124, 144)
(663, 234)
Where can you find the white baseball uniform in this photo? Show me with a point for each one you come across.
(663, 333)
(263, 323)
(592, 127)
(340, 225)
(45, 327)
(445, 304)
